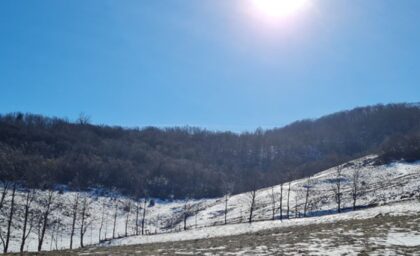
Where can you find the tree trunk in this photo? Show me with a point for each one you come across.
(4, 193)
(185, 216)
(9, 222)
(250, 214)
(281, 202)
(273, 204)
(115, 221)
(306, 201)
(127, 220)
(29, 198)
(102, 221)
(288, 202)
(144, 216)
(137, 218)
(82, 224)
(252, 205)
(354, 202)
(226, 208)
(73, 224)
(45, 220)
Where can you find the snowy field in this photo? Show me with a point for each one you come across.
(387, 187)
(404, 209)
(384, 230)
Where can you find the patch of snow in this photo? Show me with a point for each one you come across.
(403, 238)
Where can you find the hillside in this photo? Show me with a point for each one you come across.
(395, 185)
(42, 152)
(379, 231)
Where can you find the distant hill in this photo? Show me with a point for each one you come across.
(192, 162)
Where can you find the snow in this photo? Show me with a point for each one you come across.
(397, 209)
(392, 187)
(403, 239)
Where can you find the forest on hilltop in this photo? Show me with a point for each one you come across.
(187, 162)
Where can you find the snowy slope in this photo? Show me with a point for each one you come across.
(381, 185)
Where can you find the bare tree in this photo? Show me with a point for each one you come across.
(187, 208)
(102, 220)
(5, 188)
(296, 205)
(252, 195)
(226, 198)
(106, 227)
(27, 220)
(273, 202)
(137, 218)
(143, 219)
(115, 219)
(337, 186)
(55, 227)
(43, 221)
(85, 219)
(74, 217)
(228, 189)
(288, 200)
(307, 187)
(83, 119)
(128, 210)
(6, 240)
(281, 201)
(355, 184)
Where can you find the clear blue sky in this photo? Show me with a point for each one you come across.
(207, 63)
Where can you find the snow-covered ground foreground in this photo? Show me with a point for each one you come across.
(385, 230)
(386, 186)
(411, 208)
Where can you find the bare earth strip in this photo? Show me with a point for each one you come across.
(381, 235)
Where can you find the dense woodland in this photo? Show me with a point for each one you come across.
(190, 162)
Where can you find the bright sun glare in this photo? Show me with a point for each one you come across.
(279, 8)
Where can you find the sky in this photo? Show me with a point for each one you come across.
(216, 64)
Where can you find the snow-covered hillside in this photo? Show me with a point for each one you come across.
(377, 185)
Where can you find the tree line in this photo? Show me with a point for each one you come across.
(30, 213)
(190, 162)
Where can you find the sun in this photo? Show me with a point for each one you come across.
(279, 8)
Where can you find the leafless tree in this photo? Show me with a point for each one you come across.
(288, 200)
(137, 218)
(27, 219)
(186, 214)
(12, 209)
(5, 189)
(43, 221)
(337, 186)
(115, 219)
(74, 218)
(127, 219)
(281, 201)
(85, 218)
(355, 184)
(226, 199)
(106, 226)
(143, 219)
(83, 119)
(307, 187)
(55, 228)
(228, 189)
(273, 202)
(296, 205)
(101, 225)
(252, 195)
